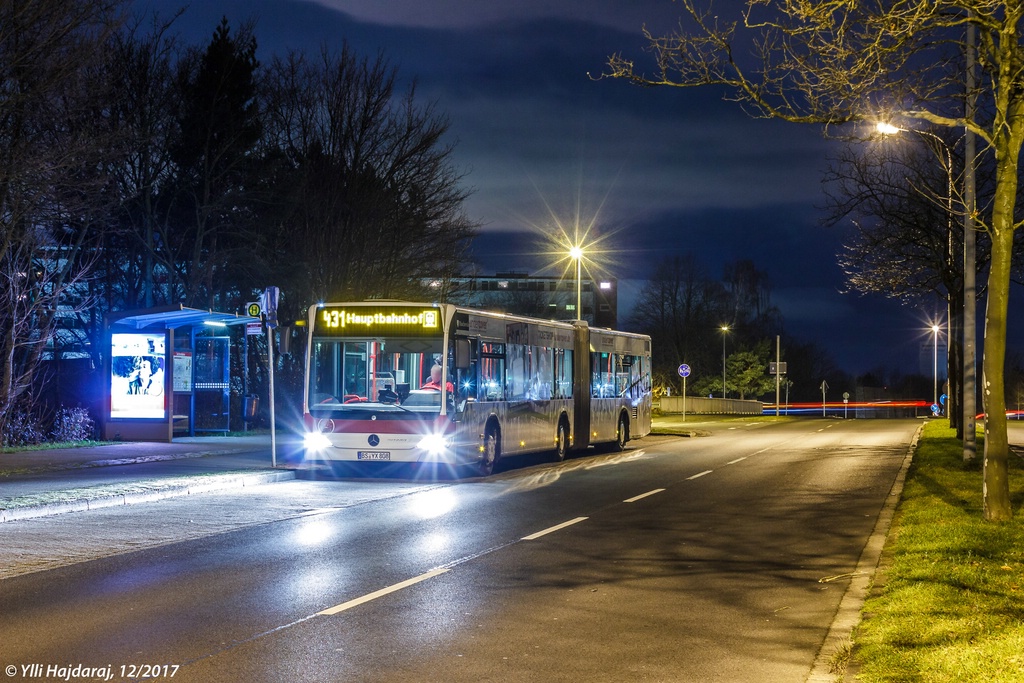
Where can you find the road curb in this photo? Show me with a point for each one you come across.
(848, 615)
(114, 462)
(213, 483)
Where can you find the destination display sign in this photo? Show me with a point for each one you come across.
(383, 322)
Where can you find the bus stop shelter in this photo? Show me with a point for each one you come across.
(168, 371)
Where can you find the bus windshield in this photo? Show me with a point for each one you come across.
(350, 374)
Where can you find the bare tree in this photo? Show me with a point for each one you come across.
(839, 62)
(373, 201)
(52, 140)
(143, 65)
(907, 233)
(681, 308)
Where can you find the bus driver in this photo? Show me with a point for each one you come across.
(434, 382)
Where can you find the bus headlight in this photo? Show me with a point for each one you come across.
(316, 441)
(435, 444)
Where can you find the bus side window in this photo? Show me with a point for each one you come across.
(542, 373)
(518, 377)
(563, 373)
(601, 375)
(492, 372)
(466, 371)
(624, 375)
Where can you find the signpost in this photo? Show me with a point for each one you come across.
(824, 388)
(846, 402)
(268, 302)
(778, 368)
(684, 372)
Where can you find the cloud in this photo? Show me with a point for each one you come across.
(475, 13)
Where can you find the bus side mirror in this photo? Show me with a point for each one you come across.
(462, 354)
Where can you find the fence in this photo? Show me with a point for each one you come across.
(710, 406)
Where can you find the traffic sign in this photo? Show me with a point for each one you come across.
(253, 309)
(684, 370)
(269, 303)
(253, 328)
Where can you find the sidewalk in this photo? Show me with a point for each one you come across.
(46, 482)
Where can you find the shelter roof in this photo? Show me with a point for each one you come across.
(171, 317)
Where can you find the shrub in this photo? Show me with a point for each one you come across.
(72, 424)
(22, 428)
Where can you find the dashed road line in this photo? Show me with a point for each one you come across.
(733, 462)
(698, 475)
(642, 496)
(382, 592)
(553, 529)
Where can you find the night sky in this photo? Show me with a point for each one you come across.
(655, 172)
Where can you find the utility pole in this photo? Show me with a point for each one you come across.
(778, 373)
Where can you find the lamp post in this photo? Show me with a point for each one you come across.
(725, 329)
(577, 254)
(935, 365)
(962, 381)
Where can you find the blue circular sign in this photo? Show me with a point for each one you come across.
(684, 370)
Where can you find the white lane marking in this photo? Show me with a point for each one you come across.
(382, 592)
(642, 496)
(699, 475)
(733, 462)
(553, 529)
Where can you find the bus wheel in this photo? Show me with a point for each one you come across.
(622, 433)
(562, 440)
(491, 451)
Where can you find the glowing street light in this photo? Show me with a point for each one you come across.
(576, 253)
(725, 330)
(887, 128)
(967, 378)
(935, 365)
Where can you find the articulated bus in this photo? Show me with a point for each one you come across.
(410, 382)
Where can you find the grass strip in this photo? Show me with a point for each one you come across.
(56, 445)
(949, 602)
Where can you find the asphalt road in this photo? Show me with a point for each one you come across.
(711, 559)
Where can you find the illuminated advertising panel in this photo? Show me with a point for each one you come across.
(137, 375)
(365, 321)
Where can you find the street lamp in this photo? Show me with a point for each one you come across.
(935, 365)
(889, 129)
(725, 329)
(576, 253)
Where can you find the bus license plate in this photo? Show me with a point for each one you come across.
(374, 455)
